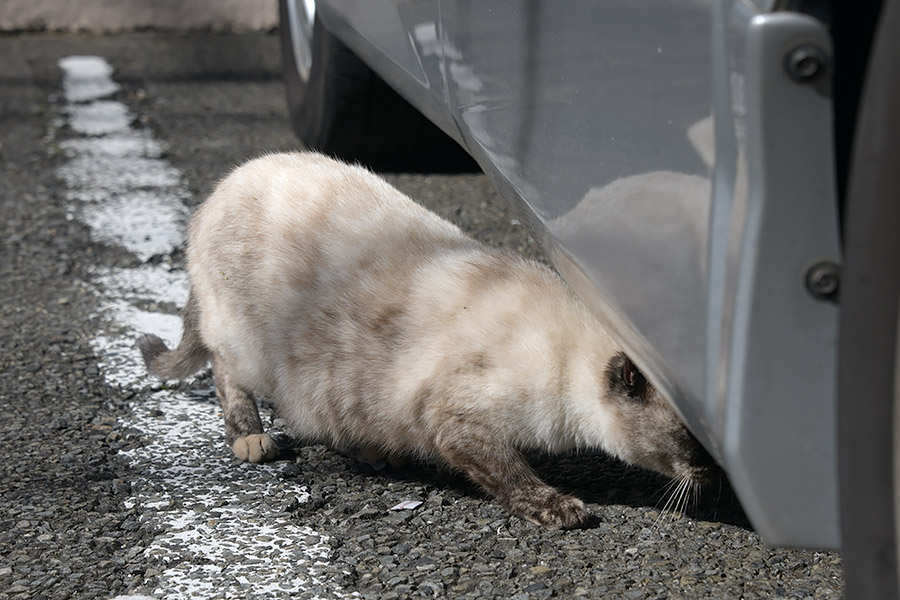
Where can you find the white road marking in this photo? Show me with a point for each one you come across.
(91, 78)
(120, 187)
(223, 530)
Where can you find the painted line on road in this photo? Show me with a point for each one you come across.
(224, 526)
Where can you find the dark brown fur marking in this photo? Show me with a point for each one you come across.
(505, 474)
(239, 407)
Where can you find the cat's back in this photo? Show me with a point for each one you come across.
(289, 241)
(286, 198)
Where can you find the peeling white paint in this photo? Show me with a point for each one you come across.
(120, 173)
(99, 117)
(145, 222)
(88, 78)
(143, 282)
(119, 184)
(224, 531)
(130, 143)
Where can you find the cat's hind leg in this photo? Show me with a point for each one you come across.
(243, 427)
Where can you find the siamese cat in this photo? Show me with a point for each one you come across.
(374, 325)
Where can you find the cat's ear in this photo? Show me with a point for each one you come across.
(630, 374)
(625, 379)
(634, 381)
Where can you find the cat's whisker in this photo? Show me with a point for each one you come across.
(681, 493)
(685, 497)
(667, 489)
(675, 488)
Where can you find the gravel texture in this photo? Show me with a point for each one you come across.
(87, 498)
(64, 529)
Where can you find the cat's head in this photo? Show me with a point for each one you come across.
(650, 434)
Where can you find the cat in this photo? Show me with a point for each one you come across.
(373, 324)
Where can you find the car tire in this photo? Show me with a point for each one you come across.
(339, 106)
(869, 346)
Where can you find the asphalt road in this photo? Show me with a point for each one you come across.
(115, 484)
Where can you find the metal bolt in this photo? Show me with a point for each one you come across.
(806, 61)
(823, 280)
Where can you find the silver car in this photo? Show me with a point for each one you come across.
(714, 179)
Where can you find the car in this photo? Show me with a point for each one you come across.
(713, 179)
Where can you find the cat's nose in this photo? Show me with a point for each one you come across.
(703, 466)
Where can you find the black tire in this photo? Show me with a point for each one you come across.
(342, 108)
(868, 402)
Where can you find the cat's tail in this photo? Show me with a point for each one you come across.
(190, 355)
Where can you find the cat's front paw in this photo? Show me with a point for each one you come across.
(553, 511)
(258, 447)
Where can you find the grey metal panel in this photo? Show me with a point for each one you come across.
(778, 387)
(593, 117)
(596, 117)
(385, 25)
(399, 41)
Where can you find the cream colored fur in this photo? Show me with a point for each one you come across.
(357, 247)
(374, 325)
